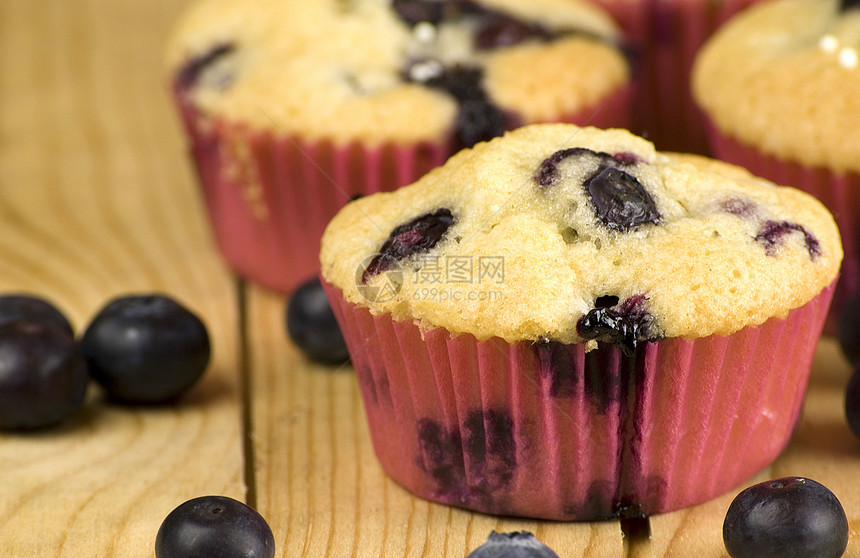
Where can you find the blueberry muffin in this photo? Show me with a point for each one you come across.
(779, 86)
(294, 107)
(664, 37)
(564, 323)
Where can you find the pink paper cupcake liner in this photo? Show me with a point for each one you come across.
(551, 431)
(665, 37)
(836, 190)
(269, 196)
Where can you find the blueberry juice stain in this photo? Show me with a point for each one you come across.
(471, 464)
(613, 378)
(632, 406)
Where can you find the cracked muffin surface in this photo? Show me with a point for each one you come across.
(376, 70)
(598, 238)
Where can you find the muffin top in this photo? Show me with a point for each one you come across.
(783, 76)
(393, 70)
(556, 232)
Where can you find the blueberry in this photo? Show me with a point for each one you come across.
(462, 82)
(478, 119)
(625, 324)
(214, 527)
(620, 201)
(547, 173)
(43, 375)
(493, 29)
(848, 331)
(852, 402)
(434, 12)
(772, 232)
(520, 544)
(791, 517)
(414, 12)
(625, 158)
(413, 237)
(739, 207)
(146, 348)
(312, 326)
(15, 307)
(499, 30)
(190, 73)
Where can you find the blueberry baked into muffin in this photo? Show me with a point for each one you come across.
(792, 70)
(294, 107)
(564, 323)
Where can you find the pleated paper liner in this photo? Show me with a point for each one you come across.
(270, 196)
(838, 191)
(664, 38)
(552, 431)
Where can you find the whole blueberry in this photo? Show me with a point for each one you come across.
(521, 544)
(312, 326)
(43, 375)
(848, 331)
(852, 402)
(146, 348)
(214, 527)
(792, 517)
(33, 308)
(620, 201)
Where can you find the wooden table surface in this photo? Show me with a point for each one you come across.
(97, 198)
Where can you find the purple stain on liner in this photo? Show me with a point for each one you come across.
(618, 388)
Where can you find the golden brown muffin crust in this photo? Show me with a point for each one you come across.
(783, 77)
(727, 250)
(333, 69)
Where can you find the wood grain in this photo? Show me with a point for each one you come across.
(319, 483)
(97, 198)
(822, 448)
